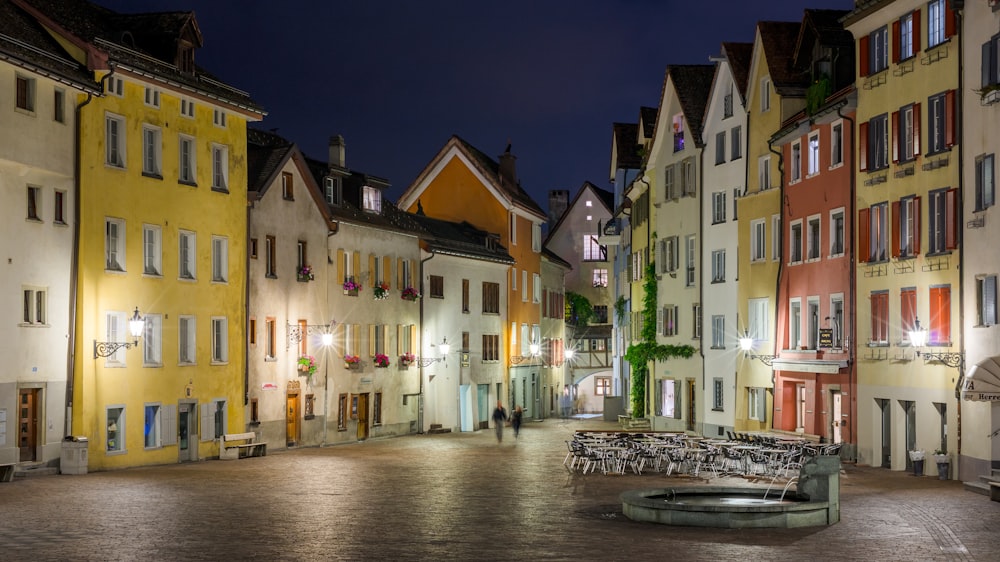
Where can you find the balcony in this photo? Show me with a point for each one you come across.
(609, 233)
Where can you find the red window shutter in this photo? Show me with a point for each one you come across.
(863, 55)
(949, 21)
(895, 136)
(864, 228)
(863, 146)
(949, 116)
(916, 226)
(951, 219)
(916, 31)
(916, 129)
(895, 42)
(875, 317)
(940, 309)
(895, 229)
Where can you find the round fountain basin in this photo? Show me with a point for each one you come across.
(727, 507)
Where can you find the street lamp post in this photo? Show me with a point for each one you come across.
(136, 325)
(746, 344)
(327, 340)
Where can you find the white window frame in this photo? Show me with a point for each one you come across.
(837, 327)
(536, 288)
(513, 279)
(812, 321)
(220, 167)
(115, 331)
(813, 151)
(905, 46)
(691, 261)
(765, 94)
(757, 319)
(720, 147)
(718, 207)
(764, 173)
(736, 142)
(837, 144)
(600, 277)
(775, 237)
(152, 250)
(758, 240)
(985, 182)
(838, 222)
(986, 300)
(524, 285)
(153, 439)
(795, 155)
(795, 240)
(718, 266)
(935, 23)
(119, 428)
(114, 141)
(152, 97)
(757, 403)
(219, 118)
(513, 228)
(187, 171)
(220, 340)
(115, 86)
(813, 238)
(187, 108)
(372, 199)
(718, 331)
(152, 340)
(536, 236)
(187, 340)
(35, 306)
(220, 259)
(152, 151)
(187, 252)
(114, 244)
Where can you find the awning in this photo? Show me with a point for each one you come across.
(809, 365)
(982, 383)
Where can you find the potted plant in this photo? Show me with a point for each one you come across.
(307, 365)
(351, 287)
(943, 461)
(407, 359)
(381, 360)
(381, 291)
(409, 294)
(351, 361)
(917, 456)
(305, 273)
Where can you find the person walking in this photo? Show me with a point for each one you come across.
(499, 417)
(515, 420)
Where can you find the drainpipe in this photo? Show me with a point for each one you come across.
(781, 264)
(420, 392)
(74, 268)
(961, 209)
(327, 396)
(853, 292)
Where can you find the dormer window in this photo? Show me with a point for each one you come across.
(185, 58)
(372, 200)
(332, 190)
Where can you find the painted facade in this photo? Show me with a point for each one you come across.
(557, 362)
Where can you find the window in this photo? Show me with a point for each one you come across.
(875, 52)
(114, 244)
(372, 200)
(688, 177)
(115, 331)
(524, 285)
(906, 227)
(813, 237)
(220, 167)
(812, 321)
(872, 237)
(309, 408)
(836, 144)
(670, 187)
(602, 386)
(592, 250)
(151, 151)
(837, 320)
(437, 286)
(186, 171)
(302, 260)
(220, 340)
(718, 207)
(936, 22)
(115, 436)
(837, 232)
(720, 147)
(25, 93)
(678, 124)
(377, 409)
(813, 159)
(796, 162)
(794, 323)
(115, 86)
(984, 182)
(906, 133)
(213, 420)
(151, 426)
(735, 142)
(60, 207)
(879, 318)
(873, 138)
(696, 317)
(536, 236)
(941, 122)
(187, 108)
(600, 314)
(252, 250)
(692, 254)
(152, 340)
(536, 288)
(219, 118)
(717, 394)
(757, 319)
(252, 331)
(718, 266)
(513, 228)
(764, 172)
(718, 331)
(907, 312)
(35, 306)
(465, 296)
(986, 300)
(34, 201)
(990, 63)
(59, 105)
(670, 320)
(795, 242)
(939, 332)
(152, 253)
(220, 259)
(513, 279)
(775, 237)
(601, 277)
(332, 190)
(491, 298)
(756, 403)
(287, 186)
(152, 98)
(270, 257)
(765, 94)
(270, 327)
(187, 253)
(727, 104)
(668, 403)
(942, 232)
(903, 37)
(491, 347)
(758, 241)
(114, 140)
(186, 340)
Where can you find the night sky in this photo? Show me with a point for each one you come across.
(397, 78)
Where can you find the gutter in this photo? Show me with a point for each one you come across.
(853, 290)
(420, 392)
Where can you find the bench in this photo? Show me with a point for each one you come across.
(995, 491)
(240, 446)
(629, 423)
(6, 472)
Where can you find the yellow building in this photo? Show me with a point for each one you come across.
(162, 226)
(774, 93)
(461, 183)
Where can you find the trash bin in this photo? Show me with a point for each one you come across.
(73, 457)
(943, 463)
(917, 457)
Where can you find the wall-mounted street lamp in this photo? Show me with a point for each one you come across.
(533, 350)
(918, 339)
(296, 332)
(746, 344)
(444, 347)
(136, 325)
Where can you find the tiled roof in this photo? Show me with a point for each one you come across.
(142, 41)
(647, 118)
(779, 39)
(824, 27)
(739, 55)
(492, 169)
(24, 42)
(693, 84)
(460, 239)
(554, 258)
(606, 196)
(266, 152)
(626, 141)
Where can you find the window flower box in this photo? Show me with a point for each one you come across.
(381, 291)
(407, 359)
(307, 366)
(409, 294)
(305, 274)
(351, 287)
(381, 360)
(352, 361)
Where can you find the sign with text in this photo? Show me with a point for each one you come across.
(825, 337)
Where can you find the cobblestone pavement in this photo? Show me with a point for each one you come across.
(453, 497)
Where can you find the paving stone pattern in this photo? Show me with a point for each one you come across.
(455, 496)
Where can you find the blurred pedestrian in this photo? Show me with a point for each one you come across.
(515, 420)
(499, 418)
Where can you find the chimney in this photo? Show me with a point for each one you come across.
(558, 202)
(508, 167)
(337, 152)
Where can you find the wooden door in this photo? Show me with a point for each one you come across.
(692, 401)
(363, 416)
(292, 419)
(27, 423)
